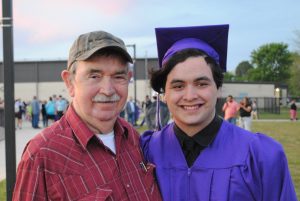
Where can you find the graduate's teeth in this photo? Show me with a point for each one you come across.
(191, 107)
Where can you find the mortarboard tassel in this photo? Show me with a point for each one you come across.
(158, 121)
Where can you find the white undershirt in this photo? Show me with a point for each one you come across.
(108, 140)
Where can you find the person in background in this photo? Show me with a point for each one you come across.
(18, 112)
(1, 103)
(200, 156)
(44, 114)
(230, 109)
(245, 114)
(293, 110)
(50, 110)
(151, 114)
(145, 107)
(61, 106)
(254, 112)
(90, 153)
(35, 112)
(130, 111)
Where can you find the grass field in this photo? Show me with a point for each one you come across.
(2, 191)
(287, 133)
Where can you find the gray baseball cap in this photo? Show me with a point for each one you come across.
(87, 44)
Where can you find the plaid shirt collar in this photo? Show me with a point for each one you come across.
(84, 134)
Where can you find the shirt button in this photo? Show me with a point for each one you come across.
(127, 185)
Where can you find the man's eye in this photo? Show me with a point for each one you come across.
(121, 77)
(94, 76)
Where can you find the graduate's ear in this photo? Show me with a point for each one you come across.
(68, 79)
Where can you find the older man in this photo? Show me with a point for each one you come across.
(90, 153)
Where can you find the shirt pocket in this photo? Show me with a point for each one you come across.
(148, 172)
(74, 187)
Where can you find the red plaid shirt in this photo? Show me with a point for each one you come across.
(66, 161)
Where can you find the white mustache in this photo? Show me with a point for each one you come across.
(100, 98)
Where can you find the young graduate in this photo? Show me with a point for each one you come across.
(200, 156)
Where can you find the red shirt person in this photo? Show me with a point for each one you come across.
(90, 153)
(230, 109)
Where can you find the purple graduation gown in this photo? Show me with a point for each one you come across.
(236, 166)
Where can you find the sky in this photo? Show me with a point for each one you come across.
(45, 29)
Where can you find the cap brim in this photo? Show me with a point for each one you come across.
(89, 53)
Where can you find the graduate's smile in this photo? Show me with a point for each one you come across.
(191, 107)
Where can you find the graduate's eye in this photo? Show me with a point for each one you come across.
(177, 86)
(202, 84)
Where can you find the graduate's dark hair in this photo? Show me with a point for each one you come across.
(159, 77)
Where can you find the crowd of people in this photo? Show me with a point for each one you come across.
(40, 110)
(146, 110)
(240, 113)
(51, 110)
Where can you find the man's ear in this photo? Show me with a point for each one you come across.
(68, 80)
(130, 75)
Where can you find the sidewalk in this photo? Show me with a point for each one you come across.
(22, 137)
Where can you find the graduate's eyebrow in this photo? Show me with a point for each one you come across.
(202, 78)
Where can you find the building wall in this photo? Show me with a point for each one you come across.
(240, 90)
(42, 79)
(43, 90)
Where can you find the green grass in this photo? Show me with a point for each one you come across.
(284, 114)
(287, 133)
(2, 190)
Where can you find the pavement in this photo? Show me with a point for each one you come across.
(22, 137)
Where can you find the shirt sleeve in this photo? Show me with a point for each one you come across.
(144, 143)
(30, 182)
(267, 173)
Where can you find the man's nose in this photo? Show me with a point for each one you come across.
(107, 86)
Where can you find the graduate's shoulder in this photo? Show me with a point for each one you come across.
(256, 142)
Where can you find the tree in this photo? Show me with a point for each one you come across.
(297, 39)
(242, 69)
(229, 76)
(294, 81)
(272, 62)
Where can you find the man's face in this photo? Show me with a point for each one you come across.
(99, 89)
(191, 94)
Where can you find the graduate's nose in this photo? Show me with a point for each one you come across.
(190, 93)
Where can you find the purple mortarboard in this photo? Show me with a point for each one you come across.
(211, 39)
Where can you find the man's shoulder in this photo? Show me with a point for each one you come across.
(50, 138)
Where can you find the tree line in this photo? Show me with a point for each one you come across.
(271, 62)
